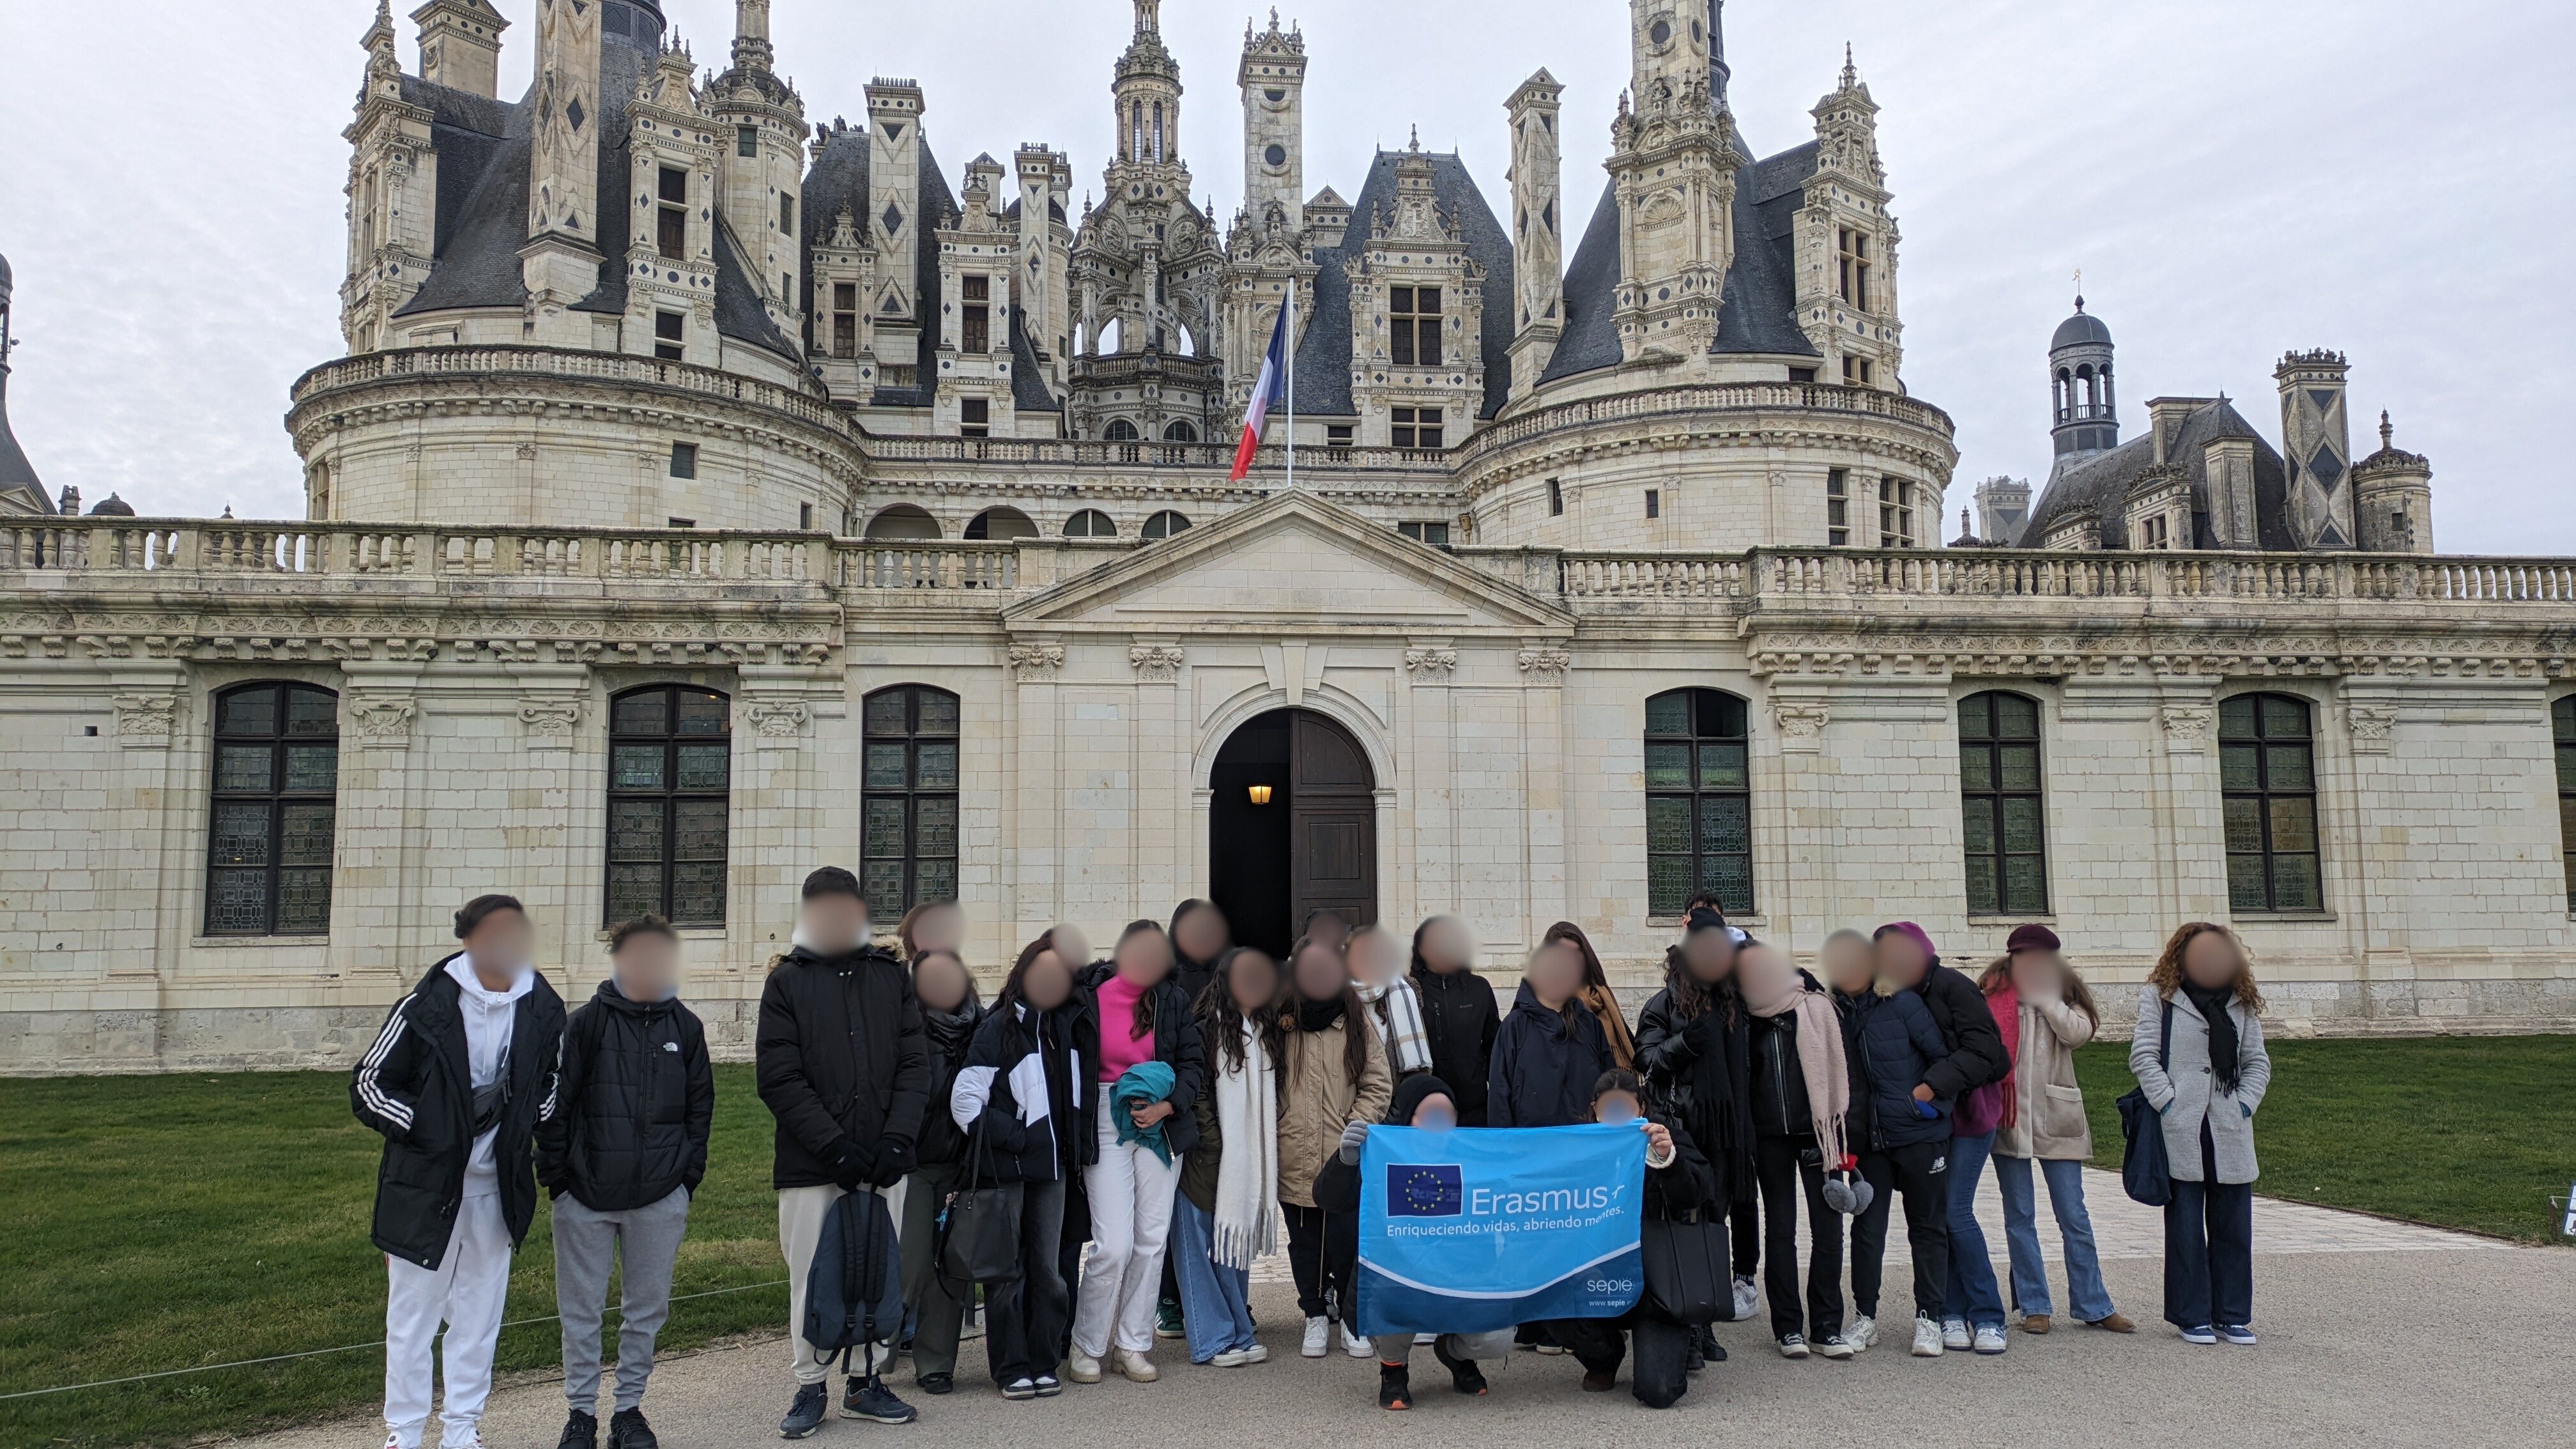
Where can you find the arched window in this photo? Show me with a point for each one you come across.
(670, 798)
(1699, 810)
(1164, 525)
(909, 845)
(275, 802)
(903, 521)
(1180, 431)
(1000, 525)
(1119, 431)
(2267, 771)
(2001, 806)
(2562, 719)
(1090, 523)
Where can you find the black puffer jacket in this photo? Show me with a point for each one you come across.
(949, 1035)
(1898, 1046)
(1460, 1018)
(639, 1100)
(1976, 1054)
(1543, 1070)
(1701, 1072)
(1019, 1055)
(841, 1062)
(416, 1086)
(1176, 1043)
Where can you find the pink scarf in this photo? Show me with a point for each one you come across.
(2005, 1007)
(1820, 1050)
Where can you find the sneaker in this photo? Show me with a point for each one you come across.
(1990, 1339)
(1861, 1332)
(1081, 1367)
(2203, 1334)
(1020, 1389)
(1231, 1358)
(1693, 1358)
(805, 1415)
(581, 1431)
(1551, 1349)
(2237, 1333)
(937, 1383)
(1793, 1345)
(1167, 1320)
(871, 1400)
(1394, 1386)
(1048, 1385)
(2113, 1323)
(1927, 1336)
(2034, 1323)
(1600, 1381)
(1137, 1368)
(1258, 1353)
(1319, 1336)
(1836, 1345)
(1464, 1376)
(1745, 1296)
(1955, 1335)
(1357, 1345)
(627, 1430)
(1709, 1348)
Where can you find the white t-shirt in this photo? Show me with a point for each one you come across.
(490, 1017)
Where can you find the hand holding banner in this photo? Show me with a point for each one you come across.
(1472, 1230)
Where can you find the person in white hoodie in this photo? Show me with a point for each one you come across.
(458, 1078)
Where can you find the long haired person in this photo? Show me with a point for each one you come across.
(1200, 936)
(950, 1013)
(1694, 1042)
(2206, 1089)
(1229, 1204)
(1332, 1078)
(1596, 995)
(1459, 1014)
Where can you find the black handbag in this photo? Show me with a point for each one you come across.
(978, 1236)
(1686, 1263)
(2144, 1172)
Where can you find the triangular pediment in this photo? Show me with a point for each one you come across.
(1292, 561)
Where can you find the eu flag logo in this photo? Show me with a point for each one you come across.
(1414, 1190)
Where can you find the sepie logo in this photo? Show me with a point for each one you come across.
(1610, 1285)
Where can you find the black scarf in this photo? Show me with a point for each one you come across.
(949, 1032)
(1319, 1015)
(2212, 1001)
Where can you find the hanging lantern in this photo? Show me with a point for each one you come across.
(1260, 794)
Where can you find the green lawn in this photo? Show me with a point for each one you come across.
(2466, 1132)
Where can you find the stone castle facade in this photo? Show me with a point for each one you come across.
(708, 491)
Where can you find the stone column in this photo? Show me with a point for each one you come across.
(1543, 665)
(1426, 833)
(1032, 850)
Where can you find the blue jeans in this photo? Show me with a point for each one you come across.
(2084, 1291)
(1973, 1295)
(1215, 1299)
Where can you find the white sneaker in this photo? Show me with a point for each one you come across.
(1319, 1336)
(1955, 1335)
(1793, 1345)
(1990, 1339)
(1746, 1298)
(1358, 1345)
(1081, 1367)
(1835, 1345)
(1137, 1368)
(1258, 1353)
(1927, 1337)
(1231, 1358)
(1861, 1333)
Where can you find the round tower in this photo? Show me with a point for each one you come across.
(2083, 409)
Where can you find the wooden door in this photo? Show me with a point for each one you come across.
(1332, 824)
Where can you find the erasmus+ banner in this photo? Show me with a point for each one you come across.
(1478, 1229)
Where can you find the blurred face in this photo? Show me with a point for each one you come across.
(1202, 934)
(1764, 973)
(1901, 958)
(647, 967)
(1330, 929)
(1144, 958)
(502, 941)
(1319, 974)
(833, 925)
(1616, 1108)
(1556, 973)
(940, 981)
(1375, 958)
(1446, 946)
(1252, 979)
(2210, 961)
(1072, 945)
(1710, 955)
(1047, 982)
(1849, 964)
(940, 928)
(2038, 973)
(1436, 1113)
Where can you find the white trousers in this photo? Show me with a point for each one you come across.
(801, 1211)
(466, 1292)
(1131, 1193)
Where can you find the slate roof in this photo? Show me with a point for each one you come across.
(2080, 329)
(1029, 391)
(1590, 338)
(2099, 486)
(1324, 353)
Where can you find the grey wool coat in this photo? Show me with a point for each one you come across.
(2185, 1093)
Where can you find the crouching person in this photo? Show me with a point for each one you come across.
(457, 1081)
(1678, 1181)
(622, 1155)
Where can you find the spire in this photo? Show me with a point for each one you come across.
(1851, 73)
(2387, 432)
(751, 47)
(1149, 17)
(379, 36)
(1718, 74)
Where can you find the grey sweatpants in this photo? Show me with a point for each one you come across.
(646, 1240)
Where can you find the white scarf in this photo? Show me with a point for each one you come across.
(1247, 1171)
(1399, 1017)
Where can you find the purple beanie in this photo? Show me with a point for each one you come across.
(1908, 928)
(2033, 937)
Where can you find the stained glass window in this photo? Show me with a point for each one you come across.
(670, 799)
(2001, 804)
(2562, 718)
(277, 780)
(908, 809)
(2268, 780)
(1699, 804)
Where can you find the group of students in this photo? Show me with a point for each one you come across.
(1167, 1111)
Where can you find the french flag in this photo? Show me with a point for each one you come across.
(1271, 388)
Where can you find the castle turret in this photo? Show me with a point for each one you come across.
(1674, 158)
(2083, 408)
(2392, 497)
(392, 190)
(1846, 243)
(460, 45)
(1272, 77)
(559, 265)
(21, 491)
(2316, 445)
(1538, 226)
(760, 126)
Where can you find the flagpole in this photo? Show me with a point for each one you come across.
(1288, 345)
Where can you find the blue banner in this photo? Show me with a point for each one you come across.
(1477, 1229)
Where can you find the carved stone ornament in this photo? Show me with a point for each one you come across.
(382, 721)
(1545, 664)
(1801, 726)
(548, 723)
(2186, 726)
(1036, 663)
(1157, 663)
(782, 720)
(1430, 664)
(2371, 724)
(146, 721)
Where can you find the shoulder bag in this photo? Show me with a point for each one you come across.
(2144, 1173)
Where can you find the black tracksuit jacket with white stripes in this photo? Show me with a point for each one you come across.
(415, 1086)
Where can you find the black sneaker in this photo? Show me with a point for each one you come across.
(805, 1416)
(1709, 1348)
(937, 1383)
(870, 1399)
(1048, 1386)
(1394, 1386)
(1694, 1360)
(1464, 1376)
(627, 1430)
(1020, 1389)
(581, 1431)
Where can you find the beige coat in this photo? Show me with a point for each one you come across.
(2049, 1119)
(1317, 1100)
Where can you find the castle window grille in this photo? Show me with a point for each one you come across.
(1838, 507)
(1853, 266)
(2002, 805)
(670, 799)
(909, 803)
(845, 319)
(975, 327)
(1895, 513)
(273, 810)
(2267, 777)
(1413, 326)
(670, 336)
(671, 236)
(1418, 428)
(1699, 805)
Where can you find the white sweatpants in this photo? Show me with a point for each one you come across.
(800, 1227)
(1131, 1193)
(466, 1292)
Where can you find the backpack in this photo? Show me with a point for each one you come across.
(854, 1289)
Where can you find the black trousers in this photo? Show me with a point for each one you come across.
(1744, 1232)
(1780, 1166)
(1323, 1256)
(1926, 1186)
(1027, 1317)
(2209, 1247)
(1663, 1351)
(1070, 1238)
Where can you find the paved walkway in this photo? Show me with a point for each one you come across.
(2374, 1333)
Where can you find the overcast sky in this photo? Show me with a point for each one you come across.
(2236, 178)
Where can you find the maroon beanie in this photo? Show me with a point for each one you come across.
(1908, 928)
(2032, 937)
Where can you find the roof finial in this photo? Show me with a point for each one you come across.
(1416, 143)
(2387, 432)
(2079, 289)
(1851, 75)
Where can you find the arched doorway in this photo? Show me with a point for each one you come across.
(1311, 845)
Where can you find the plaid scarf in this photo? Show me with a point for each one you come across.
(1399, 1018)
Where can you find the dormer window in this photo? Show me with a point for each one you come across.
(975, 329)
(845, 319)
(669, 339)
(1413, 326)
(1854, 266)
(672, 224)
(1417, 428)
